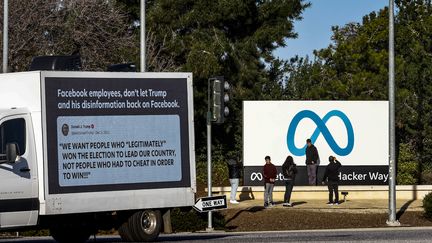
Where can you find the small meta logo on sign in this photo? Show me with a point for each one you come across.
(320, 129)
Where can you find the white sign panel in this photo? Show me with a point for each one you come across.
(98, 150)
(356, 132)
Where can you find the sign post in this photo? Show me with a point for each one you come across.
(209, 165)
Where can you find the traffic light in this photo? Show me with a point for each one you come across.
(219, 98)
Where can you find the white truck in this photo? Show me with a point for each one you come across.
(82, 151)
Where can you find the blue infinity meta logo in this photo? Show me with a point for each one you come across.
(320, 129)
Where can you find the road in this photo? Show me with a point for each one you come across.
(350, 235)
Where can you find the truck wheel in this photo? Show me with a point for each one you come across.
(125, 232)
(70, 235)
(145, 225)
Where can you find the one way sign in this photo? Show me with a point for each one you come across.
(205, 204)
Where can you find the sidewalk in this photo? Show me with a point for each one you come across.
(355, 206)
(358, 198)
(307, 193)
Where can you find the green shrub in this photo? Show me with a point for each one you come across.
(219, 168)
(427, 177)
(407, 173)
(407, 167)
(191, 221)
(427, 206)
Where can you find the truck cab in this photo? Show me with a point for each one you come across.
(19, 203)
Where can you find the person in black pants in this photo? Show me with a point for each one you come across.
(312, 162)
(331, 175)
(289, 171)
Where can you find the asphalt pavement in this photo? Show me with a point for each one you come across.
(397, 234)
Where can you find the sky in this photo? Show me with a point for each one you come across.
(314, 30)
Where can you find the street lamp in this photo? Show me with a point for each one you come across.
(142, 36)
(392, 221)
(5, 35)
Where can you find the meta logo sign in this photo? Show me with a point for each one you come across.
(321, 129)
(356, 132)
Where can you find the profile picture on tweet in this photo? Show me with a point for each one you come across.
(65, 129)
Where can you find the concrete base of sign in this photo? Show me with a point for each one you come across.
(408, 192)
(393, 223)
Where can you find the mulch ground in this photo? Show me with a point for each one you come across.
(260, 219)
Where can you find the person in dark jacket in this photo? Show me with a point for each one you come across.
(331, 175)
(234, 173)
(289, 171)
(312, 161)
(270, 173)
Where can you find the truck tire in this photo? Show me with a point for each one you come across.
(145, 225)
(70, 235)
(125, 232)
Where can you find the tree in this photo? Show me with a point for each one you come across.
(355, 67)
(99, 30)
(234, 38)
(415, 46)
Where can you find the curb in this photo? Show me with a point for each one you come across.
(389, 228)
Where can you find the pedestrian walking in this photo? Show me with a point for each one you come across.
(270, 173)
(289, 171)
(331, 175)
(234, 174)
(312, 161)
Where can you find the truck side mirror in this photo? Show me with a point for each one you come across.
(12, 152)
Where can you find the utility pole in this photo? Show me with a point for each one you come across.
(392, 221)
(5, 35)
(142, 37)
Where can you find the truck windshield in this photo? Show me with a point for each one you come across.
(13, 131)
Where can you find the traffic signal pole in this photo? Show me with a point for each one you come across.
(217, 97)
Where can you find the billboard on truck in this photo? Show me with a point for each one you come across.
(355, 132)
(116, 133)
